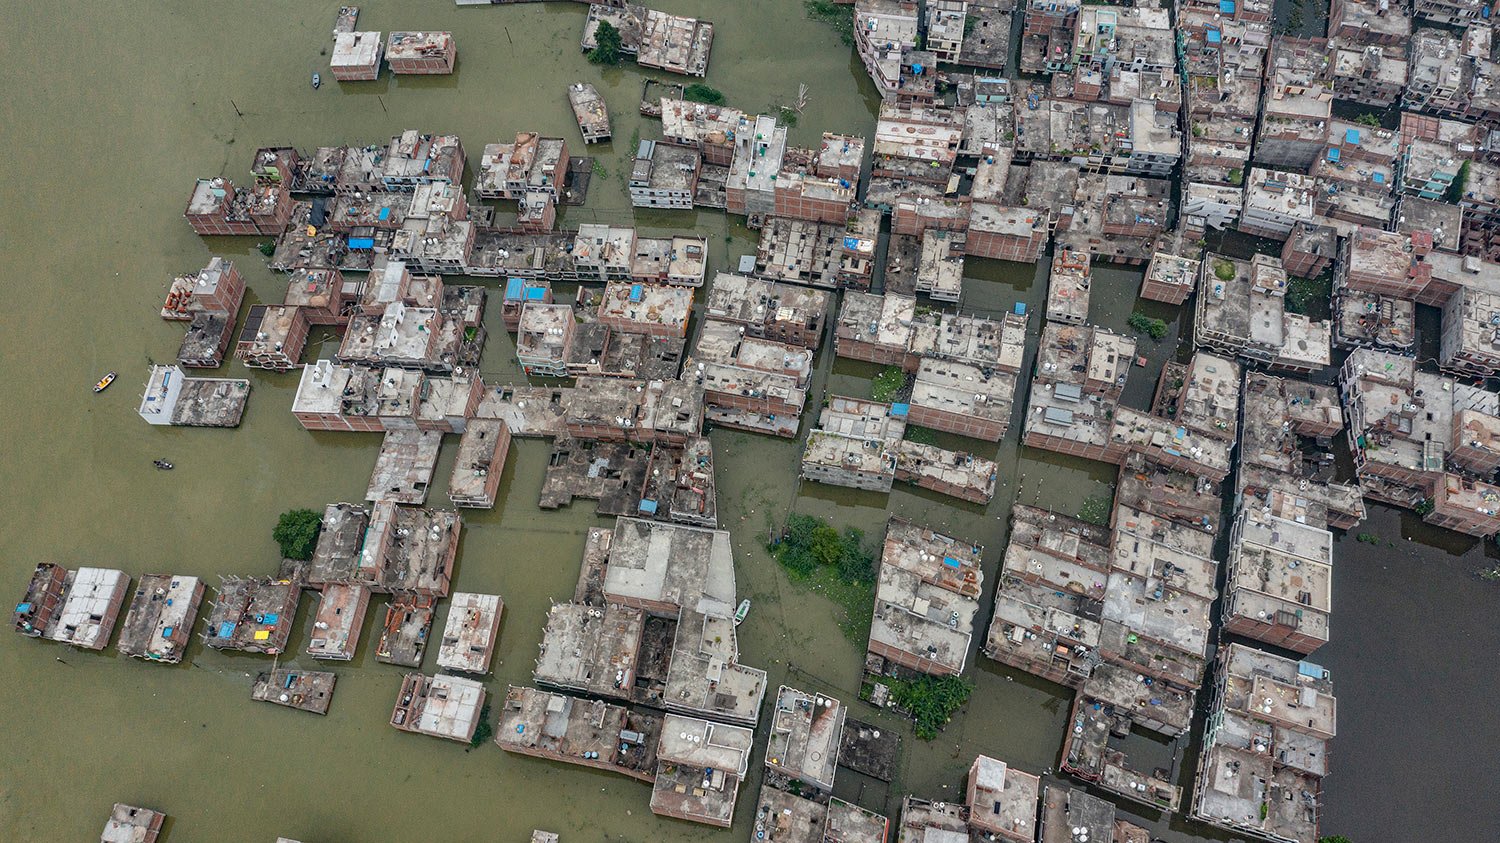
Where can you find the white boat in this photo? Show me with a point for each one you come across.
(742, 611)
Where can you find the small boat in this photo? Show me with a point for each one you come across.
(162, 464)
(317, 80)
(742, 611)
(104, 382)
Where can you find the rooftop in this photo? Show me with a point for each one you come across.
(404, 466)
(442, 706)
(804, 736)
(471, 630)
(671, 565)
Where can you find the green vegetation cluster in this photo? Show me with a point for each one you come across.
(297, 533)
(1139, 322)
(887, 385)
(699, 92)
(1095, 510)
(920, 435)
(484, 730)
(1310, 296)
(930, 700)
(1223, 270)
(838, 16)
(606, 45)
(837, 564)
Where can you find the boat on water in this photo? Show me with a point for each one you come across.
(162, 464)
(742, 611)
(317, 80)
(104, 382)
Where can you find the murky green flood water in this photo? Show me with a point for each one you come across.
(109, 111)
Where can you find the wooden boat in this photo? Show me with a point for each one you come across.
(162, 464)
(104, 382)
(742, 611)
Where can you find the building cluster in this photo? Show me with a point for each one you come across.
(357, 55)
(657, 40)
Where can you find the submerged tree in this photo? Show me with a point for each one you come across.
(297, 533)
(606, 44)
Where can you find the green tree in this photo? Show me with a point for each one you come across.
(1335, 838)
(1455, 193)
(606, 44)
(1368, 119)
(297, 533)
(699, 92)
(1156, 329)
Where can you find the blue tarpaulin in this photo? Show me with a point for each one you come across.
(635, 292)
(1333, 153)
(900, 409)
(1379, 178)
(166, 632)
(648, 507)
(1020, 308)
(385, 213)
(1213, 36)
(951, 562)
(361, 242)
(514, 288)
(536, 293)
(851, 242)
(1351, 136)
(226, 629)
(1226, 6)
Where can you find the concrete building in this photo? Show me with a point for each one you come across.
(926, 596)
(482, 449)
(469, 636)
(413, 158)
(700, 766)
(1047, 34)
(1297, 104)
(1242, 311)
(217, 288)
(1384, 262)
(272, 337)
(854, 445)
(303, 690)
(339, 620)
(779, 312)
(1068, 287)
(1369, 22)
(1071, 814)
(750, 187)
(750, 383)
(884, 30)
(1279, 587)
(174, 399)
(254, 614)
(440, 706)
(356, 56)
(657, 310)
(544, 339)
(1275, 474)
(77, 607)
(1002, 800)
(589, 111)
(1372, 74)
(129, 824)
(404, 467)
(1170, 278)
(1470, 342)
(218, 208)
(573, 730)
(1275, 201)
(1265, 748)
(1418, 437)
(337, 557)
(422, 53)
(623, 409)
(161, 618)
(664, 175)
(656, 39)
(1046, 618)
(963, 399)
(1080, 375)
(805, 735)
(411, 550)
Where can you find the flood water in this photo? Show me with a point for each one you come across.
(109, 113)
